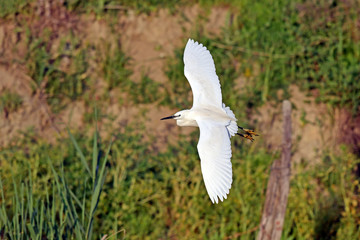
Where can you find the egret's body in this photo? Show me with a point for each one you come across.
(217, 122)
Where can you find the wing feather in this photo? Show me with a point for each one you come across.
(214, 149)
(201, 73)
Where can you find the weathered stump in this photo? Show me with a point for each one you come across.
(278, 186)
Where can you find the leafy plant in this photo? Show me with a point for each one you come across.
(146, 91)
(101, 7)
(11, 7)
(58, 84)
(114, 68)
(62, 214)
(10, 101)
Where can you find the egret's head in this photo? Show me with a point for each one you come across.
(176, 116)
(180, 117)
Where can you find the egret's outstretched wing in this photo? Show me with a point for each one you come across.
(214, 149)
(201, 74)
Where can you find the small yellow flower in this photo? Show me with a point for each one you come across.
(247, 72)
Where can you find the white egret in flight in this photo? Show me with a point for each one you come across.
(217, 122)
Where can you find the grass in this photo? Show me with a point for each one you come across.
(146, 91)
(11, 7)
(162, 195)
(10, 101)
(116, 73)
(57, 212)
(49, 76)
(317, 54)
(114, 68)
(102, 7)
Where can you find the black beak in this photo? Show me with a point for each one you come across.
(170, 117)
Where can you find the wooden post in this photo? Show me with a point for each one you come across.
(278, 186)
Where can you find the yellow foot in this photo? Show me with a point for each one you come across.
(248, 136)
(249, 131)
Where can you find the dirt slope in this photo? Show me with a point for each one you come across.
(149, 40)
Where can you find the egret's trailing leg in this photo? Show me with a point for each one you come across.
(248, 133)
(246, 136)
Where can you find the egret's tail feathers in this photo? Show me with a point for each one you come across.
(232, 127)
(228, 111)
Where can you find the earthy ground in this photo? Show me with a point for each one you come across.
(150, 40)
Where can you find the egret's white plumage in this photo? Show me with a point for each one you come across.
(217, 122)
(200, 72)
(215, 153)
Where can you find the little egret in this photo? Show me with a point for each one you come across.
(217, 122)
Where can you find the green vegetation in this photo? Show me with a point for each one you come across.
(114, 68)
(162, 195)
(278, 43)
(11, 7)
(10, 101)
(101, 7)
(78, 188)
(318, 54)
(60, 214)
(49, 76)
(146, 91)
